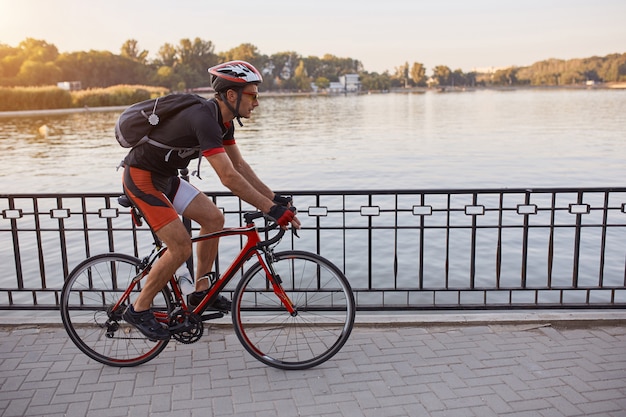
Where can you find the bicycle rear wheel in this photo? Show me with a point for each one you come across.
(325, 308)
(87, 300)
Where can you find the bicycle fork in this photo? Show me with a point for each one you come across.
(276, 281)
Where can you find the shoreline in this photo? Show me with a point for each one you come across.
(412, 90)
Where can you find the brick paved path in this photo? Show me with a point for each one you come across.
(440, 370)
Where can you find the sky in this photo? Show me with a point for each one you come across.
(383, 35)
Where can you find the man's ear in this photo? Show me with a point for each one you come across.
(231, 95)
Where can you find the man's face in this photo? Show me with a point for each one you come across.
(249, 100)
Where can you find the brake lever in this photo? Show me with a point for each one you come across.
(294, 231)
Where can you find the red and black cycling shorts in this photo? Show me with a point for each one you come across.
(152, 195)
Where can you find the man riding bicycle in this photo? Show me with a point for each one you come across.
(151, 181)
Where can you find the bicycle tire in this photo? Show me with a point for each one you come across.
(90, 291)
(325, 312)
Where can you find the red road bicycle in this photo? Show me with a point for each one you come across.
(290, 310)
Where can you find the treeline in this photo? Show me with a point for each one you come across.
(558, 72)
(552, 72)
(176, 67)
(183, 66)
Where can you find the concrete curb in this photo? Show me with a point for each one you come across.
(578, 318)
(415, 319)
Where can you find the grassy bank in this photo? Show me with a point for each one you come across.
(45, 98)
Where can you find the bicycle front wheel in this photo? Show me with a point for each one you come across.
(88, 298)
(319, 328)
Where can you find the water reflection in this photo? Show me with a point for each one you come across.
(409, 141)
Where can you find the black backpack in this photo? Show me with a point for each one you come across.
(137, 121)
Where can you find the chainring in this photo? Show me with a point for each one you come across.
(186, 327)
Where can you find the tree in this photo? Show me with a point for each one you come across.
(10, 65)
(9, 62)
(301, 79)
(6, 50)
(24, 65)
(167, 55)
(194, 59)
(322, 82)
(572, 77)
(198, 54)
(399, 78)
(614, 68)
(36, 73)
(418, 74)
(442, 75)
(38, 50)
(130, 49)
(101, 69)
(332, 67)
(374, 81)
(166, 77)
(457, 78)
(244, 52)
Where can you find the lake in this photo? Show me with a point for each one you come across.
(479, 139)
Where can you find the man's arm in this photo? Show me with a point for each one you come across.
(238, 176)
(239, 184)
(246, 171)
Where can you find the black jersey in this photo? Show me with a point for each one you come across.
(198, 125)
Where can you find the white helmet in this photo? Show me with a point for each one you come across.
(233, 74)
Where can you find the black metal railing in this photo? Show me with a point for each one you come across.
(400, 249)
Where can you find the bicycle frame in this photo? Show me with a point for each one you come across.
(253, 246)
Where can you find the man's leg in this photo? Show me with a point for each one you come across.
(210, 218)
(178, 242)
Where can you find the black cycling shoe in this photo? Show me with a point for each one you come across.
(222, 303)
(146, 323)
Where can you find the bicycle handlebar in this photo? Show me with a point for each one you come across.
(249, 219)
(251, 216)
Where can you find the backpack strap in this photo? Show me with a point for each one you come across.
(183, 152)
(217, 119)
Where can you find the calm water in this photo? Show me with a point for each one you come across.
(393, 141)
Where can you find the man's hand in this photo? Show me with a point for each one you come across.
(283, 200)
(284, 216)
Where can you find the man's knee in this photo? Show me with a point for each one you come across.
(218, 220)
(177, 239)
(204, 212)
(212, 219)
(180, 250)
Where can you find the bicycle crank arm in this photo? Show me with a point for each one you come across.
(211, 316)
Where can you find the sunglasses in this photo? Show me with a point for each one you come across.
(254, 96)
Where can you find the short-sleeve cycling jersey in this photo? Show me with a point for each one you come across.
(198, 125)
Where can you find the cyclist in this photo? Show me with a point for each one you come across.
(151, 181)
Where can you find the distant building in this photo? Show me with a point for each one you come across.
(70, 85)
(348, 83)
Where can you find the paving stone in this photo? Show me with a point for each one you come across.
(439, 370)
